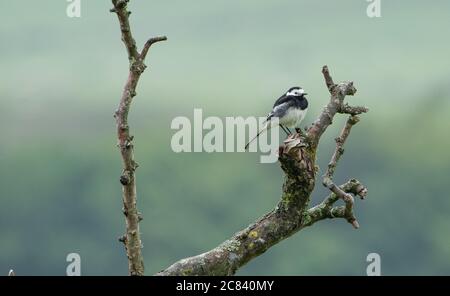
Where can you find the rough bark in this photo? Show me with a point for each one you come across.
(131, 238)
(297, 157)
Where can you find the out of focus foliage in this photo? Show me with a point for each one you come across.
(61, 78)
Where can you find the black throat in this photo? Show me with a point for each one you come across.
(301, 102)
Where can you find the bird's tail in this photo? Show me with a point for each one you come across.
(266, 126)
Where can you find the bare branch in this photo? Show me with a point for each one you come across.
(120, 8)
(326, 210)
(351, 121)
(149, 43)
(338, 93)
(328, 80)
(352, 110)
(132, 238)
(328, 177)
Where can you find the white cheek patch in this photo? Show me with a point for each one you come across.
(296, 92)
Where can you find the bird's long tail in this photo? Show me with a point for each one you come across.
(266, 127)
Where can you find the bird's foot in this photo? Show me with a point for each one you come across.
(284, 129)
(298, 130)
(301, 133)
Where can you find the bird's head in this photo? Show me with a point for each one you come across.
(296, 91)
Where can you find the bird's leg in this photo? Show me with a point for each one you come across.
(290, 133)
(284, 129)
(299, 130)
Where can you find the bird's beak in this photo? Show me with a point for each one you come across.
(305, 94)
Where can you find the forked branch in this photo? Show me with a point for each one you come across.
(328, 177)
(297, 158)
(132, 237)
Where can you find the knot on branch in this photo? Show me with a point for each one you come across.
(125, 178)
(352, 120)
(123, 239)
(346, 89)
(137, 66)
(129, 142)
(119, 4)
(123, 126)
(357, 189)
(132, 93)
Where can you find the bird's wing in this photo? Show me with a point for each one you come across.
(279, 110)
(281, 100)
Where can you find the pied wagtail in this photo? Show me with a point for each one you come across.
(290, 109)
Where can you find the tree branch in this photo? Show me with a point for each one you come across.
(352, 110)
(328, 80)
(326, 210)
(149, 43)
(132, 238)
(328, 177)
(120, 8)
(335, 105)
(297, 158)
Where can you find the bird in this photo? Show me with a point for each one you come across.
(290, 109)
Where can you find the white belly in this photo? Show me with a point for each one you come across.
(293, 117)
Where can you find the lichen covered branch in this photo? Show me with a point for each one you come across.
(132, 238)
(280, 223)
(297, 158)
(326, 210)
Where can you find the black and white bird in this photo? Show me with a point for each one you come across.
(290, 109)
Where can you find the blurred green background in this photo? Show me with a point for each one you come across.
(61, 79)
